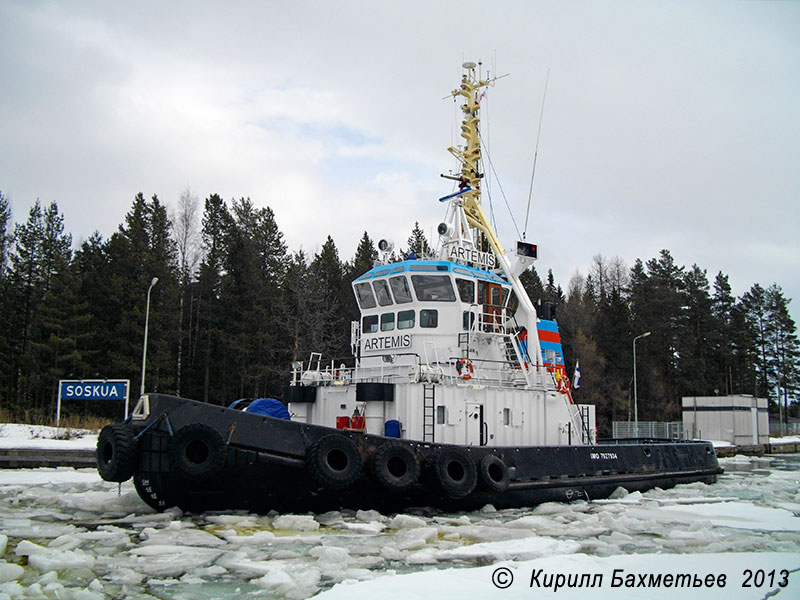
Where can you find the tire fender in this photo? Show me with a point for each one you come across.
(493, 475)
(453, 472)
(395, 467)
(197, 452)
(116, 453)
(334, 461)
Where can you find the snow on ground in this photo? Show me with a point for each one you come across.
(788, 439)
(67, 534)
(13, 435)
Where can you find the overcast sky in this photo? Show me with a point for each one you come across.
(666, 124)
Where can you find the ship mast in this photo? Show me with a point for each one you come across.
(465, 209)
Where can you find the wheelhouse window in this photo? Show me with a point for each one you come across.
(369, 324)
(433, 288)
(387, 321)
(441, 415)
(429, 318)
(382, 292)
(405, 319)
(402, 294)
(366, 299)
(466, 290)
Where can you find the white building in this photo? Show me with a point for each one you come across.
(739, 419)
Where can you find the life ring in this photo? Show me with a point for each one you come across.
(493, 474)
(465, 365)
(197, 452)
(453, 472)
(395, 467)
(116, 453)
(334, 461)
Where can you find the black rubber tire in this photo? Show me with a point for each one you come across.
(197, 452)
(395, 467)
(453, 472)
(334, 462)
(116, 453)
(493, 474)
(155, 489)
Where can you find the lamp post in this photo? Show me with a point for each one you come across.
(635, 395)
(146, 324)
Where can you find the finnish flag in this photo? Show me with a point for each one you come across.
(576, 378)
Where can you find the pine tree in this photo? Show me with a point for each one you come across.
(783, 349)
(42, 252)
(696, 377)
(754, 304)
(255, 352)
(418, 243)
(533, 285)
(209, 314)
(328, 273)
(7, 384)
(143, 248)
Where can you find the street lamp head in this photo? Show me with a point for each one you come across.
(155, 281)
(643, 335)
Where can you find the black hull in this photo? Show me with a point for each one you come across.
(267, 464)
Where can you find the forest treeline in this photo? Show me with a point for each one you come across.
(234, 306)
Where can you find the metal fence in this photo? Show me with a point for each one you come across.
(790, 428)
(648, 429)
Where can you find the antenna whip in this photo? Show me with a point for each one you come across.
(535, 156)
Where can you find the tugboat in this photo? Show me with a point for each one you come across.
(456, 397)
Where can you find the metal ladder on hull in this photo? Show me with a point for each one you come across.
(428, 412)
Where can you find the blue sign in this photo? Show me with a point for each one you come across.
(94, 390)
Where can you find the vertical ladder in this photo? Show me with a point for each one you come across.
(428, 412)
(586, 435)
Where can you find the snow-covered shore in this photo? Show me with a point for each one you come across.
(15, 435)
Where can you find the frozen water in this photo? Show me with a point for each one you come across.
(68, 534)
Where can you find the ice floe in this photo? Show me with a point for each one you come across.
(67, 534)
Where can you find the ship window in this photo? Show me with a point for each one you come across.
(495, 301)
(506, 416)
(400, 289)
(466, 290)
(369, 324)
(396, 269)
(483, 292)
(382, 292)
(405, 319)
(429, 318)
(433, 288)
(469, 320)
(381, 272)
(441, 415)
(462, 271)
(387, 321)
(364, 295)
(505, 296)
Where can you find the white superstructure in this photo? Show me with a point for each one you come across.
(448, 350)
